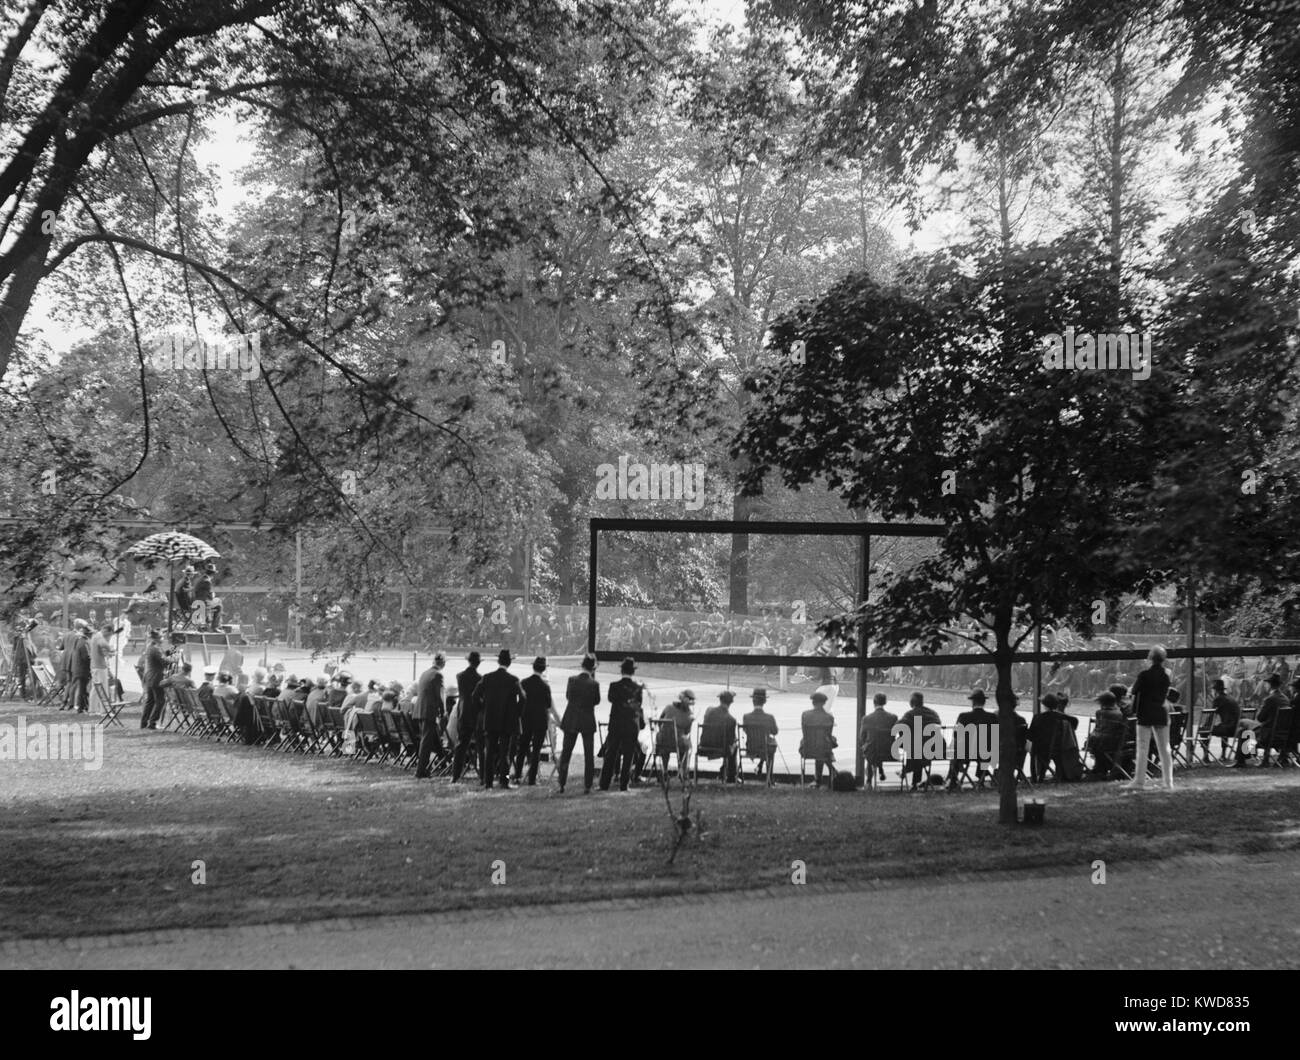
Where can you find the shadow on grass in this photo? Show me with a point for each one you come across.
(287, 838)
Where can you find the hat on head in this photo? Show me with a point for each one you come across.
(473, 658)
(727, 697)
(1218, 683)
(628, 665)
(977, 696)
(209, 670)
(819, 697)
(688, 694)
(1050, 701)
(504, 658)
(760, 695)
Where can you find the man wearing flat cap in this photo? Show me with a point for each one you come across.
(718, 729)
(877, 736)
(760, 731)
(817, 724)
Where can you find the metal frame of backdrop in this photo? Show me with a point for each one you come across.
(864, 660)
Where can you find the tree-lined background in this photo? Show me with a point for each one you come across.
(489, 247)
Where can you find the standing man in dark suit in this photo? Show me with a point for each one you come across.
(502, 699)
(466, 684)
(66, 645)
(155, 670)
(428, 709)
(79, 669)
(582, 695)
(625, 722)
(538, 712)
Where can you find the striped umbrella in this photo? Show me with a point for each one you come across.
(171, 547)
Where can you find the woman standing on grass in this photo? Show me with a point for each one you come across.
(1150, 691)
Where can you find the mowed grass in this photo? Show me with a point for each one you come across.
(291, 838)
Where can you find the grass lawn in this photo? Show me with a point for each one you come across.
(285, 837)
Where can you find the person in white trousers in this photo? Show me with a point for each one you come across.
(1150, 691)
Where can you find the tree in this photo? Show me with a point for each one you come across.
(929, 399)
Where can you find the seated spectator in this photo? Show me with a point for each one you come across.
(1122, 702)
(355, 698)
(980, 725)
(290, 690)
(719, 730)
(916, 718)
(1225, 714)
(1107, 736)
(814, 723)
(225, 688)
(318, 695)
(338, 690)
(181, 678)
(760, 728)
(877, 735)
(1273, 702)
(1051, 734)
(676, 737)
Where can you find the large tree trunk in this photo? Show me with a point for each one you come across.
(1006, 729)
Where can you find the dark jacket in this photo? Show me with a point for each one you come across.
(466, 682)
(537, 703)
(155, 665)
(1109, 730)
(582, 695)
(502, 699)
(79, 663)
(718, 721)
(428, 695)
(1046, 726)
(625, 717)
(1269, 708)
(1149, 693)
(1229, 713)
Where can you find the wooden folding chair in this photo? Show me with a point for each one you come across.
(194, 711)
(713, 743)
(815, 746)
(369, 742)
(267, 731)
(109, 708)
(332, 718)
(1276, 737)
(1204, 734)
(396, 743)
(877, 749)
(760, 746)
(664, 739)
